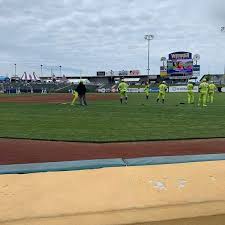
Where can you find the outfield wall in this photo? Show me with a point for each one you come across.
(189, 194)
(172, 89)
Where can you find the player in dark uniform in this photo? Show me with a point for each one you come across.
(81, 90)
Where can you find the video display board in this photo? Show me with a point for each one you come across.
(180, 63)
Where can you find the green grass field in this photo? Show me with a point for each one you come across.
(104, 121)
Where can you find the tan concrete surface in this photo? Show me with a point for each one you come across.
(131, 195)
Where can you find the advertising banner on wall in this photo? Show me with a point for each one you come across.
(154, 89)
(135, 90)
(180, 63)
(181, 77)
(174, 89)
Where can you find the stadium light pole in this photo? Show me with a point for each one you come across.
(41, 70)
(15, 69)
(149, 37)
(80, 74)
(60, 69)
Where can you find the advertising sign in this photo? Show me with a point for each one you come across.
(135, 72)
(174, 89)
(180, 77)
(135, 90)
(123, 73)
(154, 89)
(196, 70)
(112, 73)
(101, 73)
(163, 71)
(180, 55)
(103, 90)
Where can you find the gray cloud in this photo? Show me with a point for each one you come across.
(93, 35)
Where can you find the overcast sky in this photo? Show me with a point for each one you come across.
(92, 35)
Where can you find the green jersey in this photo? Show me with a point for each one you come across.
(162, 88)
(212, 88)
(123, 87)
(190, 87)
(203, 87)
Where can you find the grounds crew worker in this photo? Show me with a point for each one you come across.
(211, 92)
(190, 92)
(147, 90)
(81, 90)
(123, 88)
(162, 92)
(203, 89)
(75, 96)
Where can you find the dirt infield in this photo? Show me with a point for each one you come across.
(53, 98)
(27, 151)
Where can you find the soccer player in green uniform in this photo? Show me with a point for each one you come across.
(123, 88)
(203, 88)
(211, 92)
(147, 90)
(162, 92)
(191, 97)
